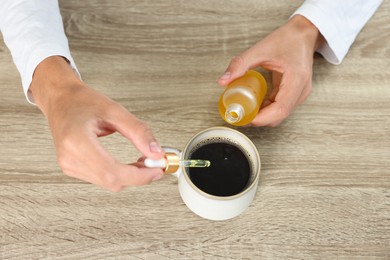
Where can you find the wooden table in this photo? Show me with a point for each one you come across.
(324, 191)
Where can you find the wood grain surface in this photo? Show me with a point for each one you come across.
(324, 191)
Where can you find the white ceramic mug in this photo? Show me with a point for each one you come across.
(210, 206)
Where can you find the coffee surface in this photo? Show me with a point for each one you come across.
(229, 172)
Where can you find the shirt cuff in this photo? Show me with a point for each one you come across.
(334, 49)
(338, 22)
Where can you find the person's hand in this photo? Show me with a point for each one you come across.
(288, 53)
(77, 116)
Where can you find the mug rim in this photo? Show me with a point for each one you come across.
(224, 198)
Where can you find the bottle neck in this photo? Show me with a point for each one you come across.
(234, 113)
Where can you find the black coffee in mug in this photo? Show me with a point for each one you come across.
(230, 170)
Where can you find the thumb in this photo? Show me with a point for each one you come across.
(237, 67)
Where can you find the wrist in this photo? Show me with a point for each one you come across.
(53, 78)
(306, 29)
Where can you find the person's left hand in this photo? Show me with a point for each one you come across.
(288, 53)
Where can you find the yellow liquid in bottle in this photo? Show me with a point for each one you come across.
(241, 100)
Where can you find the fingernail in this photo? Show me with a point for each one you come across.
(155, 147)
(226, 75)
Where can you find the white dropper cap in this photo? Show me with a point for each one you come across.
(170, 163)
(150, 163)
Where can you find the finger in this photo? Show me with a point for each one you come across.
(138, 133)
(276, 80)
(116, 176)
(275, 124)
(132, 175)
(141, 159)
(305, 94)
(285, 101)
(267, 112)
(266, 103)
(271, 114)
(81, 155)
(240, 64)
(248, 60)
(274, 91)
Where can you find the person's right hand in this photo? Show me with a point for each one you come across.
(78, 115)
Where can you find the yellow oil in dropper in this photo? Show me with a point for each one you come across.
(241, 100)
(195, 163)
(171, 162)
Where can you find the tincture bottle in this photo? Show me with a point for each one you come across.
(242, 98)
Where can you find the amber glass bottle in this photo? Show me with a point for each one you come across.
(241, 100)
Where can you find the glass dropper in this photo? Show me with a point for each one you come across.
(195, 163)
(171, 163)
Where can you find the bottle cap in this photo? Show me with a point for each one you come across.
(173, 162)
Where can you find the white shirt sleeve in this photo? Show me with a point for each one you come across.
(339, 22)
(33, 31)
